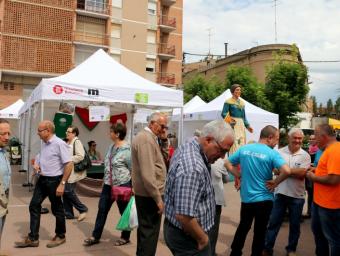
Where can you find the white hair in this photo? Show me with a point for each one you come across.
(218, 129)
(155, 117)
(295, 130)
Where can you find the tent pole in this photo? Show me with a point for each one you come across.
(22, 133)
(28, 183)
(132, 123)
(180, 128)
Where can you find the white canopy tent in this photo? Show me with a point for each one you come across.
(190, 106)
(11, 114)
(257, 117)
(99, 80)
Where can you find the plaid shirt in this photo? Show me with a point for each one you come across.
(188, 189)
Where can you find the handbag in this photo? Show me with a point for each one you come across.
(120, 193)
(83, 164)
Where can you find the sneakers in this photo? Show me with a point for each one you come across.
(82, 216)
(27, 242)
(56, 241)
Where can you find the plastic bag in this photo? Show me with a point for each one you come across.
(128, 221)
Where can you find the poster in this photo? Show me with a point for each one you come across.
(99, 113)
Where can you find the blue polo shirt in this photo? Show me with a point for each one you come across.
(257, 163)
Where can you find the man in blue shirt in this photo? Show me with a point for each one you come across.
(5, 172)
(257, 162)
(189, 194)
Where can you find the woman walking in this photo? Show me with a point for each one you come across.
(117, 174)
(70, 198)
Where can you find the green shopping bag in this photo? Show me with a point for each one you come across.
(124, 221)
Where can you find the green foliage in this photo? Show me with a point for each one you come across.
(315, 105)
(337, 106)
(252, 90)
(330, 107)
(320, 111)
(207, 90)
(286, 87)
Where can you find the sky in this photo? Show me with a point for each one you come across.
(313, 25)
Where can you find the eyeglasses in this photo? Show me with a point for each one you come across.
(164, 127)
(42, 130)
(69, 132)
(222, 150)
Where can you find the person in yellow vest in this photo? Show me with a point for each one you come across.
(234, 113)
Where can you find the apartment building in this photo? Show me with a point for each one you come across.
(46, 38)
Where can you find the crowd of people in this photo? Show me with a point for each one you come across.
(187, 187)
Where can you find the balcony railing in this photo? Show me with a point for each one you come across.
(168, 2)
(91, 38)
(167, 24)
(166, 51)
(166, 78)
(100, 7)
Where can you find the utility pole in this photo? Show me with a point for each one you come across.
(275, 21)
(209, 36)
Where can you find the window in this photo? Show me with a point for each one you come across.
(150, 65)
(152, 8)
(115, 30)
(8, 86)
(151, 37)
(117, 3)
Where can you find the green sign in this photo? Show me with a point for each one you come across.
(141, 98)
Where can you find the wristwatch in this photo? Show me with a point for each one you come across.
(63, 182)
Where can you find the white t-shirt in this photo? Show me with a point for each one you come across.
(294, 187)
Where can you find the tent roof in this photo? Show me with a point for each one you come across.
(191, 105)
(100, 78)
(12, 110)
(334, 123)
(213, 109)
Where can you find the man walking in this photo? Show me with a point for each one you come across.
(148, 180)
(326, 204)
(189, 194)
(289, 194)
(54, 166)
(257, 163)
(5, 172)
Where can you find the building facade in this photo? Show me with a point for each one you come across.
(46, 38)
(256, 58)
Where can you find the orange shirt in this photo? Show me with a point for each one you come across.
(328, 196)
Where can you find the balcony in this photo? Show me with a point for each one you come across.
(167, 79)
(89, 38)
(94, 8)
(168, 2)
(167, 24)
(166, 51)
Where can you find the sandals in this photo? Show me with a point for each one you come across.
(121, 242)
(91, 241)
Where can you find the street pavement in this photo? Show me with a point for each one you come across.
(17, 226)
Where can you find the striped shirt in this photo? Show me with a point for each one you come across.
(188, 189)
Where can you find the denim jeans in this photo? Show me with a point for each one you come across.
(326, 230)
(46, 187)
(71, 200)
(213, 234)
(104, 206)
(281, 204)
(260, 211)
(2, 224)
(181, 244)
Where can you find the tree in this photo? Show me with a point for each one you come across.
(329, 107)
(207, 90)
(320, 109)
(337, 107)
(252, 90)
(286, 87)
(315, 105)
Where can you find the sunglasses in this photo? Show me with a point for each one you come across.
(222, 150)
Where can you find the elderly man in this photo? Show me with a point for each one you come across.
(5, 172)
(290, 194)
(54, 166)
(148, 180)
(257, 162)
(189, 194)
(326, 204)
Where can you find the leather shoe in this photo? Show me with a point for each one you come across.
(56, 241)
(27, 242)
(44, 210)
